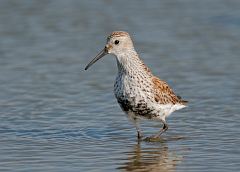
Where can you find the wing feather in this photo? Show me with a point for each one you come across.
(163, 94)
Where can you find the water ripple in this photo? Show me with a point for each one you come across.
(57, 117)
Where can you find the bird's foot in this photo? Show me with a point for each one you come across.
(154, 138)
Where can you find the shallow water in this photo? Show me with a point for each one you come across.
(57, 117)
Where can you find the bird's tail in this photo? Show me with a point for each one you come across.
(182, 101)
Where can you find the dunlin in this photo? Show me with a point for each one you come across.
(140, 94)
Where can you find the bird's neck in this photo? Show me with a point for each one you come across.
(129, 63)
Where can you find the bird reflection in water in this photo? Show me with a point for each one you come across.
(152, 157)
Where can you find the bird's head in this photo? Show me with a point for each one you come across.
(118, 42)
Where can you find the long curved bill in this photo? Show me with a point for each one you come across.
(100, 55)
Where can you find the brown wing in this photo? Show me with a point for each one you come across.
(163, 94)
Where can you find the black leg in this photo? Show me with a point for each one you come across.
(136, 124)
(165, 128)
(139, 135)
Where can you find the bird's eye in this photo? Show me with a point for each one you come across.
(116, 42)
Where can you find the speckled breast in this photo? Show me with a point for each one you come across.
(138, 108)
(131, 95)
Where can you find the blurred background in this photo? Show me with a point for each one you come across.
(57, 117)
